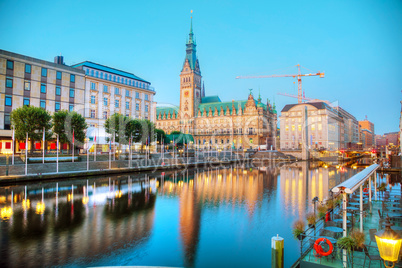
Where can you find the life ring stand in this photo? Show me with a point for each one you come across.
(318, 247)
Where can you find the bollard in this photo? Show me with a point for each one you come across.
(277, 246)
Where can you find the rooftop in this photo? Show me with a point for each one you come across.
(109, 70)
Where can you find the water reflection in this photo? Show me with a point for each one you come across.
(85, 222)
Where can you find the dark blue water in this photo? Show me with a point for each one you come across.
(222, 217)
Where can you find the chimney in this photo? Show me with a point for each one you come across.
(58, 60)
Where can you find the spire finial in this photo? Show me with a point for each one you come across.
(191, 25)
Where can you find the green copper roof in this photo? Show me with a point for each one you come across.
(224, 105)
(209, 99)
(161, 110)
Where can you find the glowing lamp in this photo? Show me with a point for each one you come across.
(389, 244)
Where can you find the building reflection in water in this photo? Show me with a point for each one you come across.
(60, 223)
(75, 222)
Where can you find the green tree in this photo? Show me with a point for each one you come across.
(64, 122)
(31, 120)
(161, 135)
(118, 125)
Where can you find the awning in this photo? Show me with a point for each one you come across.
(352, 184)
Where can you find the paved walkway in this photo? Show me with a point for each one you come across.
(77, 169)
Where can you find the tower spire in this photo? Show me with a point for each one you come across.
(191, 29)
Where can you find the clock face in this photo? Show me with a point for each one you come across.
(186, 93)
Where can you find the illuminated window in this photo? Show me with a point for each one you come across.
(319, 126)
(286, 128)
(313, 127)
(299, 127)
(293, 128)
(27, 85)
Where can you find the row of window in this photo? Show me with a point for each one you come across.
(27, 86)
(117, 91)
(299, 127)
(28, 69)
(27, 101)
(117, 103)
(105, 114)
(116, 79)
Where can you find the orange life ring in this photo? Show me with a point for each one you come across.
(318, 247)
(365, 190)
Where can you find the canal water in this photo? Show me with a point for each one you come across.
(216, 217)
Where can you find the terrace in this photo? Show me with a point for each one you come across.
(363, 209)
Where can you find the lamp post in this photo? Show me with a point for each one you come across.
(389, 244)
(7, 153)
(315, 200)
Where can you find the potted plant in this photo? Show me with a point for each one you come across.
(310, 219)
(347, 243)
(359, 239)
(298, 229)
(330, 204)
(321, 209)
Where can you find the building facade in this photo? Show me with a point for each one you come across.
(369, 135)
(213, 123)
(350, 130)
(109, 91)
(325, 127)
(29, 81)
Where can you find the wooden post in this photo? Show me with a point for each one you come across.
(277, 248)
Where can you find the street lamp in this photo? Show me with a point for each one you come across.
(389, 244)
(7, 153)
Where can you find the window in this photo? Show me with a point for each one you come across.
(93, 86)
(28, 68)
(58, 91)
(116, 91)
(137, 106)
(72, 78)
(105, 101)
(117, 103)
(146, 96)
(58, 75)
(10, 65)
(71, 108)
(9, 101)
(137, 95)
(27, 85)
(319, 125)
(7, 121)
(92, 99)
(146, 108)
(57, 106)
(42, 88)
(26, 101)
(43, 104)
(127, 115)
(105, 89)
(127, 105)
(286, 128)
(127, 93)
(72, 92)
(104, 114)
(293, 127)
(9, 82)
(92, 113)
(313, 127)
(44, 72)
(299, 127)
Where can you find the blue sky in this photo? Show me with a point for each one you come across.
(357, 43)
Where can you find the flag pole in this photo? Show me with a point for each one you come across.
(88, 153)
(57, 155)
(110, 153)
(12, 146)
(26, 155)
(114, 144)
(129, 151)
(73, 147)
(95, 148)
(43, 146)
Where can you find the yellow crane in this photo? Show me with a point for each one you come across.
(298, 76)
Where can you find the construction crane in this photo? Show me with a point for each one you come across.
(304, 98)
(298, 76)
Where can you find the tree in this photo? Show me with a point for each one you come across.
(117, 125)
(31, 120)
(160, 135)
(64, 122)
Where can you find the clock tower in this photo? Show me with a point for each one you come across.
(190, 85)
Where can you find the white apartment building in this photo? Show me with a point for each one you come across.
(325, 127)
(109, 91)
